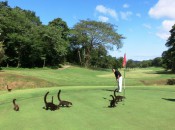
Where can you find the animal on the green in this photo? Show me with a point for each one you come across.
(9, 89)
(63, 102)
(16, 106)
(112, 102)
(118, 98)
(50, 105)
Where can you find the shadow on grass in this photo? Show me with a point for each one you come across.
(101, 69)
(169, 99)
(160, 72)
(107, 89)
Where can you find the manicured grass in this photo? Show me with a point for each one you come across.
(145, 108)
(149, 103)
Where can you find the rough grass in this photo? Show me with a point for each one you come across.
(75, 76)
(16, 81)
(145, 108)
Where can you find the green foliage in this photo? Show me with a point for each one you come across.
(28, 43)
(157, 62)
(92, 34)
(62, 26)
(17, 26)
(26, 40)
(169, 55)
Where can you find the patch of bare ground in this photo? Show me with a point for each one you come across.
(64, 67)
(154, 82)
(18, 82)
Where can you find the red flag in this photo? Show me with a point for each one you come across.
(124, 60)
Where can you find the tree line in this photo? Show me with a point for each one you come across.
(26, 42)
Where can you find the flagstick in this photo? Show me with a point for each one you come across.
(124, 80)
(124, 85)
(124, 65)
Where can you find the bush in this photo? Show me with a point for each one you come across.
(171, 82)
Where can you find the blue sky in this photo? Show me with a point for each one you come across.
(144, 23)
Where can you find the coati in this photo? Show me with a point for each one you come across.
(112, 102)
(62, 102)
(16, 107)
(118, 98)
(50, 105)
(9, 89)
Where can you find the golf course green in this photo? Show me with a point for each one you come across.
(149, 102)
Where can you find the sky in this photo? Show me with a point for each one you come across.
(145, 24)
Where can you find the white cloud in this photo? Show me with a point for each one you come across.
(163, 35)
(164, 8)
(103, 18)
(107, 11)
(165, 28)
(125, 15)
(167, 24)
(125, 6)
(101, 9)
(147, 26)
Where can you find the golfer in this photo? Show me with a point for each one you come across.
(118, 77)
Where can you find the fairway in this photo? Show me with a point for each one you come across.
(144, 108)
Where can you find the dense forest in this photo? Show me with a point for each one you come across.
(26, 42)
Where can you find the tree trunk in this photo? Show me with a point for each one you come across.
(18, 65)
(87, 57)
(79, 55)
(173, 66)
(44, 63)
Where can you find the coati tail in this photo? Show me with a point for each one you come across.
(14, 101)
(52, 99)
(45, 97)
(112, 97)
(59, 95)
(116, 90)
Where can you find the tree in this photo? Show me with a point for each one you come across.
(146, 63)
(17, 27)
(62, 31)
(54, 46)
(169, 55)
(157, 62)
(92, 34)
(130, 64)
(61, 25)
(119, 63)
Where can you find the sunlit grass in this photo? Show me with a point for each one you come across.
(76, 76)
(144, 108)
(149, 104)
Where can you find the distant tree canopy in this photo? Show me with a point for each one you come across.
(28, 43)
(92, 35)
(169, 55)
